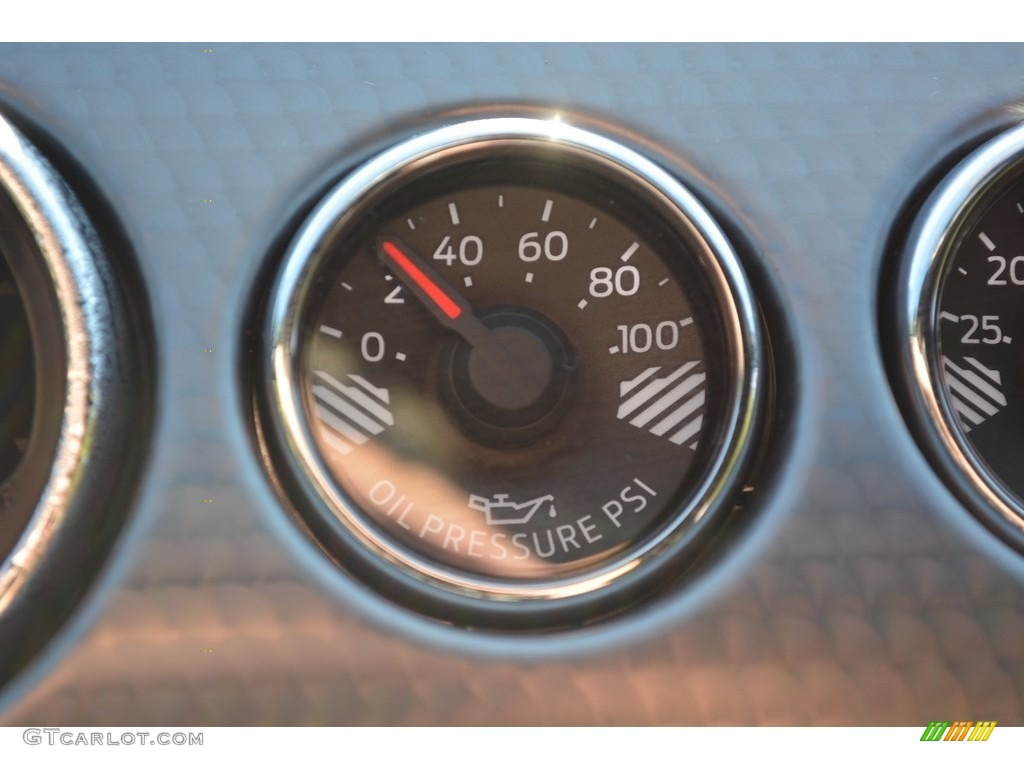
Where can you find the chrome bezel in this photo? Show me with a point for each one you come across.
(570, 144)
(932, 242)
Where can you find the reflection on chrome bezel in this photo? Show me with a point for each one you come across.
(932, 242)
(567, 144)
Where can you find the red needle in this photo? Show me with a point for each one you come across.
(443, 301)
(452, 310)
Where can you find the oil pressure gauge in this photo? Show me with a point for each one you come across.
(514, 368)
(962, 310)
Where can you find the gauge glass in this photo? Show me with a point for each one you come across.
(516, 362)
(554, 420)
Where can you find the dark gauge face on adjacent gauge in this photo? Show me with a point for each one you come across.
(17, 380)
(966, 306)
(516, 362)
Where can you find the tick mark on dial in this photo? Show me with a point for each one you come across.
(454, 213)
(547, 210)
(988, 242)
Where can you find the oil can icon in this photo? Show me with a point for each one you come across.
(500, 510)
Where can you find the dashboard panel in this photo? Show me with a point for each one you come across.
(852, 584)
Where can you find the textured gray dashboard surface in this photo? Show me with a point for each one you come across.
(861, 593)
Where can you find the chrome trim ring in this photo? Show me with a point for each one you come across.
(289, 427)
(931, 244)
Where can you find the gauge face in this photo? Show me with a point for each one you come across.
(517, 365)
(510, 379)
(968, 305)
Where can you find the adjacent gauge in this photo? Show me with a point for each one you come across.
(75, 397)
(515, 367)
(963, 310)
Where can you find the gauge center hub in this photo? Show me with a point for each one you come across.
(513, 385)
(524, 352)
